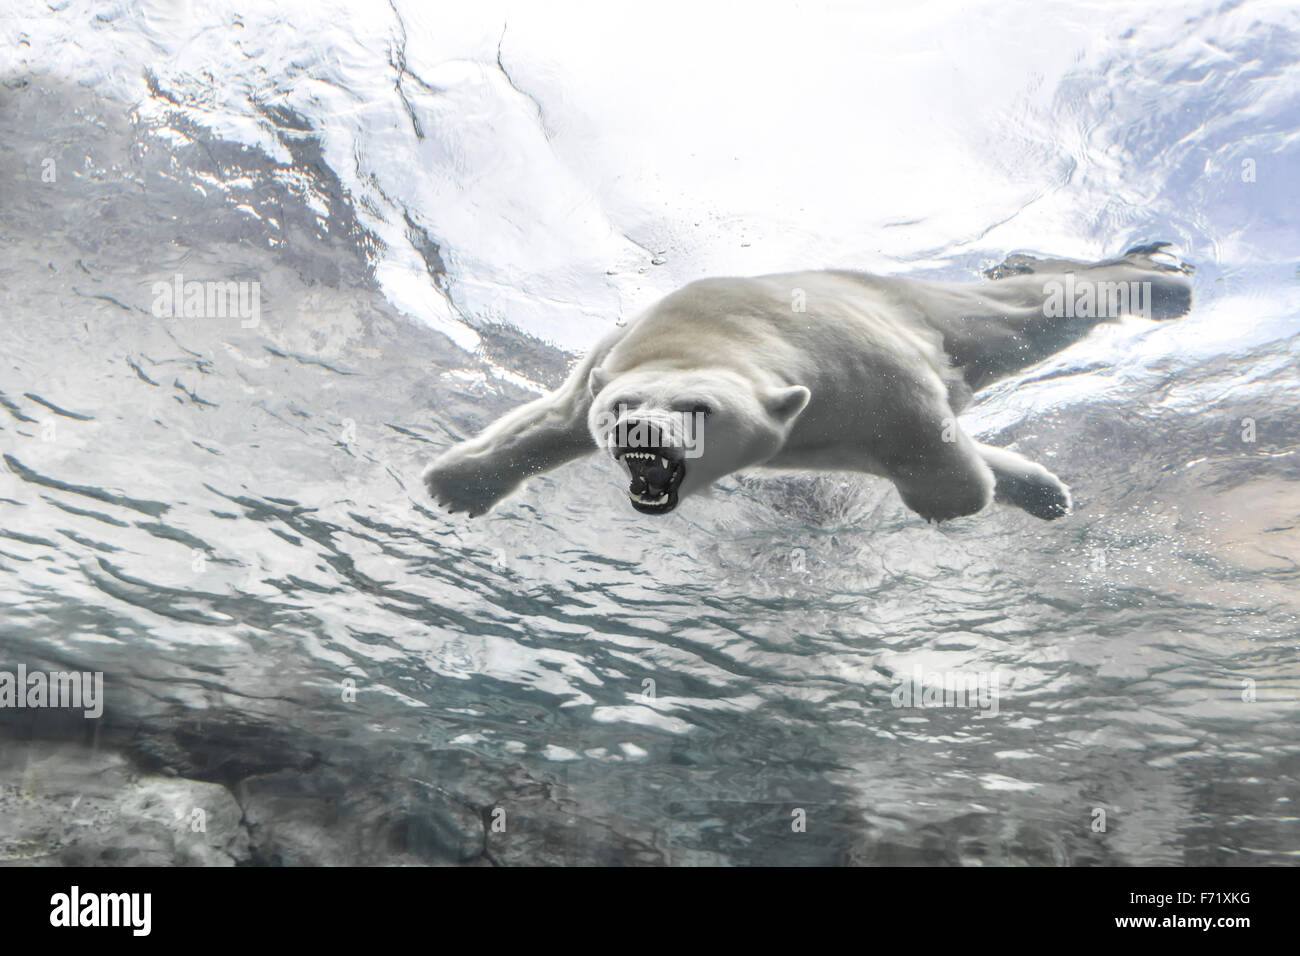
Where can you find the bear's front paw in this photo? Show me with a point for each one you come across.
(464, 484)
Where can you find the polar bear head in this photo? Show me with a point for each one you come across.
(676, 431)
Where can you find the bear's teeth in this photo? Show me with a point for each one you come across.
(642, 499)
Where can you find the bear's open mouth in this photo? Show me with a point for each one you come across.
(656, 475)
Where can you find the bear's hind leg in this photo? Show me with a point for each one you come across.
(941, 480)
(1026, 484)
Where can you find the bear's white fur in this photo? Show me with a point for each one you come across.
(830, 370)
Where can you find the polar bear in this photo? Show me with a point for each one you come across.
(827, 370)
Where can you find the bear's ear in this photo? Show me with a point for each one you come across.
(784, 404)
(597, 380)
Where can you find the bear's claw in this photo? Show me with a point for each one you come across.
(460, 485)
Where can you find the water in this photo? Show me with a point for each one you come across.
(439, 204)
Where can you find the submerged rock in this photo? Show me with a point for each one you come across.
(66, 804)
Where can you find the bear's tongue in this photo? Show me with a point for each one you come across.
(654, 480)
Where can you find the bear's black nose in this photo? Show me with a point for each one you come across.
(643, 435)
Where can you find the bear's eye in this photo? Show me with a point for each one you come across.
(692, 408)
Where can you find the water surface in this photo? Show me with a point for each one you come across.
(228, 521)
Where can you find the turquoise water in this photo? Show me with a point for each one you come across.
(227, 521)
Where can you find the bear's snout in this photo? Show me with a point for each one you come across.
(654, 459)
